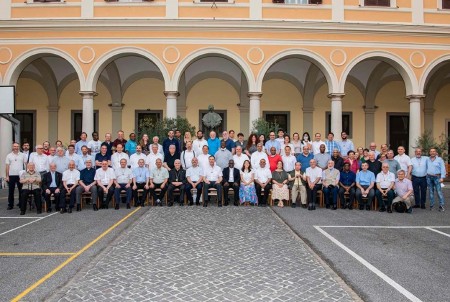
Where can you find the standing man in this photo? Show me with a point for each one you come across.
(82, 142)
(31, 182)
(194, 177)
(212, 175)
(105, 183)
(159, 176)
(239, 158)
(177, 180)
(154, 155)
(199, 143)
(394, 166)
(52, 184)
(419, 178)
(288, 159)
(187, 156)
(136, 157)
(94, 145)
(171, 157)
(374, 164)
(61, 161)
(330, 182)
(346, 145)
(315, 145)
(258, 155)
(108, 143)
(102, 156)
(26, 152)
(120, 139)
(385, 188)
(170, 140)
(70, 180)
(213, 143)
(229, 143)
(331, 144)
(373, 147)
(40, 160)
(141, 177)
(314, 180)
(272, 142)
(338, 160)
(123, 180)
(223, 156)
(322, 158)
(347, 183)
(365, 181)
(435, 177)
(118, 156)
(404, 161)
(231, 179)
(130, 146)
(15, 163)
(304, 158)
(87, 184)
(263, 180)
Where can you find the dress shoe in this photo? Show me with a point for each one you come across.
(350, 207)
(49, 210)
(416, 206)
(128, 206)
(191, 203)
(389, 210)
(225, 203)
(293, 205)
(309, 207)
(327, 206)
(78, 207)
(423, 207)
(361, 207)
(368, 208)
(197, 203)
(382, 210)
(62, 210)
(334, 208)
(219, 204)
(304, 206)
(314, 208)
(39, 212)
(181, 204)
(170, 204)
(236, 204)
(22, 212)
(69, 211)
(10, 208)
(117, 206)
(205, 204)
(94, 206)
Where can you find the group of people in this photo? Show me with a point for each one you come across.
(290, 170)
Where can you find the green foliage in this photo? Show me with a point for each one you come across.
(261, 126)
(161, 127)
(426, 141)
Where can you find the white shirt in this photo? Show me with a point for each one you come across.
(75, 157)
(194, 173)
(385, 179)
(315, 146)
(104, 176)
(404, 161)
(134, 159)
(123, 175)
(263, 174)
(256, 158)
(95, 147)
(186, 158)
(283, 145)
(41, 162)
(288, 162)
(197, 145)
(239, 160)
(71, 177)
(151, 160)
(313, 174)
(247, 176)
(212, 173)
(117, 157)
(203, 161)
(16, 162)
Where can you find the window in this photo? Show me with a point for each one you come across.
(219, 129)
(347, 122)
(77, 123)
(144, 118)
(377, 3)
(445, 4)
(282, 118)
(298, 1)
(27, 127)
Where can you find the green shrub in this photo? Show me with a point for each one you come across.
(161, 127)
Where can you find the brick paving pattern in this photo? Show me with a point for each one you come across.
(198, 254)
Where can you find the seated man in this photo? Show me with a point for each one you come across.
(213, 177)
(159, 176)
(70, 180)
(263, 180)
(298, 189)
(385, 188)
(405, 196)
(347, 186)
(314, 180)
(105, 183)
(87, 184)
(31, 184)
(194, 182)
(101, 156)
(330, 182)
(365, 181)
(231, 179)
(141, 177)
(52, 184)
(123, 180)
(177, 180)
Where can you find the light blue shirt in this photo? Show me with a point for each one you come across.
(436, 166)
(78, 146)
(269, 144)
(365, 178)
(419, 166)
(331, 145)
(141, 174)
(346, 146)
(81, 163)
(53, 184)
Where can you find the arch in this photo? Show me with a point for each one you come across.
(208, 51)
(105, 59)
(19, 63)
(216, 75)
(409, 78)
(313, 57)
(431, 68)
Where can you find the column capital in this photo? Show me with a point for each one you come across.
(308, 109)
(88, 94)
(336, 96)
(53, 108)
(254, 95)
(371, 109)
(173, 94)
(428, 110)
(116, 107)
(415, 97)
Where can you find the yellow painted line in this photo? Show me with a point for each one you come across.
(35, 254)
(73, 257)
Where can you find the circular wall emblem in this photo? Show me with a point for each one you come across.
(5, 55)
(417, 59)
(255, 55)
(338, 57)
(171, 54)
(86, 54)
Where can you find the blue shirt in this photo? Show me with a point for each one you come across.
(53, 184)
(436, 167)
(101, 158)
(346, 146)
(365, 178)
(213, 145)
(130, 147)
(78, 146)
(230, 144)
(304, 160)
(168, 142)
(141, 174)
(87, 176)
(331, 145)
(347, 178)
(419, 166)
(269, 144)
(82, 162)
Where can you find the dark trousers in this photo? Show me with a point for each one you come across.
(117, 191)
(351, 196)
(73, 197)
(390, 197)
(312, 193)
(24, 198)
(56, 195)
(217, 186)
(188, 188)
(160, 195)
(330, 193)
(143, 196)
(369, 196)
(101, 195)
(13, 181)
(170, 191)
(226, 188)
(420, 189)
(263, 199)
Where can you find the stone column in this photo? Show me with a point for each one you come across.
(428, 119)
(370, 124)
(116, 115)
(336, 113)
(171, 98)
(308, 119)
(52, 123)
(254, 107)
(88, 112)
(414, 120)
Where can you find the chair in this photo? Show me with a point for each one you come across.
(139, 195)
(211, 192)
(85, 196)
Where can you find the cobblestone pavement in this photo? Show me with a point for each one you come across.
(213, 254)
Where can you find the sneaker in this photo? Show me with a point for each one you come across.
(441, 209)
(409, 211)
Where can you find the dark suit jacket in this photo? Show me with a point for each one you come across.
(47, 180)
(236, 174)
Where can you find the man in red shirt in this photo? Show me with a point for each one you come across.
(274, 158)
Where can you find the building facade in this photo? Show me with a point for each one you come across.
(380, 69)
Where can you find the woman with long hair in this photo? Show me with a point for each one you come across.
(287, 143)
(353, 160)
(306, 141)
(187, 138)
(262, 139)
(297, 143)
(252, 141)
(247, 191)
(145, 144)
(280, 190)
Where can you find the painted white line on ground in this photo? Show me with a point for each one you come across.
(439, 232)
(379, 273)
(39, 219)
(384, 227)
(20, 217)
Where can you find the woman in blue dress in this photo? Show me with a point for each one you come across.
(247, 191)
